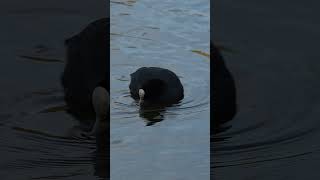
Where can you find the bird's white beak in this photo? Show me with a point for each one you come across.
(141, 96)
(100, 102)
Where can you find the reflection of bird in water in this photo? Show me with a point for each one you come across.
(155, 86)
(224, 91)
(86, 75)
(151, 115)
(101, 157)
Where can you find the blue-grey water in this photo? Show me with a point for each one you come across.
(275, 63)
(39, 140)
(171, 143)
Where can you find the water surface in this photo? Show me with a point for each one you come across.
(165, 143)
(276, 132)
(39, 140)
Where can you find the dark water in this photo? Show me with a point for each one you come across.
(170, 143)
(276, 65)
(39, 140)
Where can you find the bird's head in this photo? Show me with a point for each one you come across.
(101, 104)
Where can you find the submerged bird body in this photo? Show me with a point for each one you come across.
(87, 67)
(156, 86)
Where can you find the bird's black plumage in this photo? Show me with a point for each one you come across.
(224, 90)
(161, 86)
(87, 65)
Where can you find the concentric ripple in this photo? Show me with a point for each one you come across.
(258, 142)
(44, 140)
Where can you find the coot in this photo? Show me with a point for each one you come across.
(224, 90)
(86, 75)
(155, 86)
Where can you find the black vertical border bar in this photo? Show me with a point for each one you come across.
(211, 91)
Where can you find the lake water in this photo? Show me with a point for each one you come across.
(39, 140)
(275, 63)
(170, 143)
